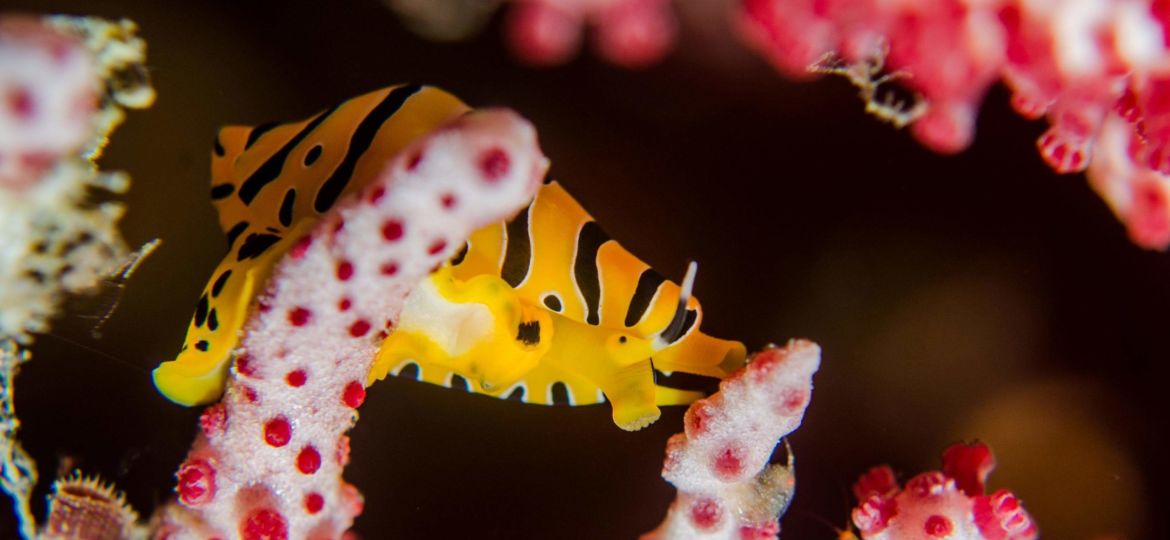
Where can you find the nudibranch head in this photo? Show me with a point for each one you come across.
(270, 184)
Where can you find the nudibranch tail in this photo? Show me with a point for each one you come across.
(270, 184)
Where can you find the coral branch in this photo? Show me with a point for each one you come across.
(63, 85)
(1076, 62)
(268, 463)
(719, 463)
(947, 504)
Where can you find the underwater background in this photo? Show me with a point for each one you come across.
(977, 296)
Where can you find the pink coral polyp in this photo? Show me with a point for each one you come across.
(1080, 63)
(941, 504)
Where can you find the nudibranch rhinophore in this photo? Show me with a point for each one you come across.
(270, 183)
(544, 307)
(547, 307)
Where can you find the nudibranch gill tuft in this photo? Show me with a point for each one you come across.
(270, 183)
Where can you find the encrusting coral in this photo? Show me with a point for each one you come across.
(269, 459)
(65, 83)
(1099, 71)
(951, 503)
(726, 487)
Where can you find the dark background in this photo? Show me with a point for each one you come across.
(956, 297)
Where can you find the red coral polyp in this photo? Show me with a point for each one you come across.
(264, 524)
(277, 432)
(196, 482)
(941, 504)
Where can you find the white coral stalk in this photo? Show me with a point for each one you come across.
(726, 488)
(269, 461)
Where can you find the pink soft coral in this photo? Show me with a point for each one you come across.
(720, 462)
(946, 504)
(268, 462)
(630, 33)
(49, 89)
(1075, 62)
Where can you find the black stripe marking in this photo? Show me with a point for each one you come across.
(648, 284)
(202, 345)
(560, 394)
(201, 311)
(589, 241)
(517, 394)
(212, 320)
(361, 140)
(517, 250)
(274, 165)
(457, 382)
(680, 380)
(552, 302)
(222, 191)
(217, 147)
(235, 233)
(458, 258)
(409, 371)
(529, 333)
(286, 207)
(680, 325)
(257, 131)
(255, 245)
(220, 282)
(313, 154)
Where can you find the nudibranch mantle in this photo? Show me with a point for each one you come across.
(270, 184)
(546, 304)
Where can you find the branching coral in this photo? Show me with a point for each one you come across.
(719, 463)
(269, 459)
(64, 83)
(947, 504)
(1082, 64)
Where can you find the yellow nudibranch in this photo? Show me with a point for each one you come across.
(270, 183)
(546, 305)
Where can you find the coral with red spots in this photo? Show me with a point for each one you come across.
(268, 463)
(49, 89)
(951, 503)
(726, 488)
(1082, 64)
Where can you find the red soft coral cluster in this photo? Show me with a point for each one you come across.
(941, 504)
(1082, 64)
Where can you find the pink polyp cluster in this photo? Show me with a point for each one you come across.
(268, 462)
(1080, 63)
(941, 504)
(49, 87)
(629, 33)
(726, 488)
